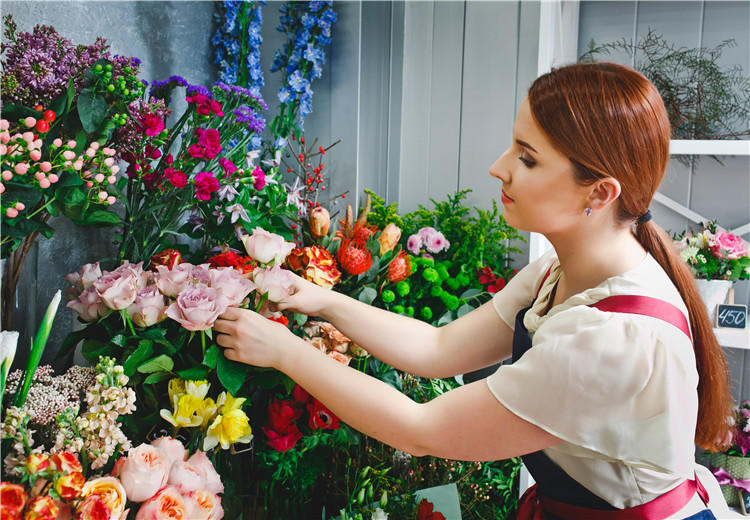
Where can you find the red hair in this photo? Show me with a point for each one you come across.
(609, 121)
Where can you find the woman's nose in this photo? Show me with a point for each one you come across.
(499, 168)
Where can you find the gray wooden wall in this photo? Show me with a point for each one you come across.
(708, 187)
(423, 95)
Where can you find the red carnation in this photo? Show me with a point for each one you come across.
(205, 185)
(152, 124)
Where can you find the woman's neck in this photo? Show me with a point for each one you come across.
(587, 260)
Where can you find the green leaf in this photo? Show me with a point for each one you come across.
(445, 318)
(193, 373)
(367, 295)
(212, 356)
(70, 342)
(231, 374)
(157, 377)
(469, 293)
(159, 363)
(299, 319)
(92, 109)
(463, 310)
(72, 196)
(93, 348)
(144, 350)
(101, 217)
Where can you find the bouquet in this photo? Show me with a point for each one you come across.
(714, 254)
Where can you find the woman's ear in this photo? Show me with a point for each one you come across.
(603, 192)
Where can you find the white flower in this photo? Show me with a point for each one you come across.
(237, 211)
(379, 514)
(294, 197)
(250, 157)
(689, 254)
(227, 192)
(8, 344)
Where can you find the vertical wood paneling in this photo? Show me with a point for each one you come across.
(445, 99)
(415, 108)
(604, 22)
(488, 101)
(395, 90)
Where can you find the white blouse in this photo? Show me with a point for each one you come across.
(619, 389)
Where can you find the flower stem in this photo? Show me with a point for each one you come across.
(203, 342)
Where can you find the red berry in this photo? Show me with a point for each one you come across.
(38, 108)
(322, 150)
(42, 126)
(322, 188)
(343, 195)
(294, 226)
(49, 115)
(301, 139)
(289, 170)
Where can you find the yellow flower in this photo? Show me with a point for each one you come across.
(176, 389)
(185, 414)
(228, 429)
(229, 403)
(207, 411)
(197, 389)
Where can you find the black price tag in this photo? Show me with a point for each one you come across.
(744, 501)
(731, 316)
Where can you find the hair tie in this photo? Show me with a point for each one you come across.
(645, 217)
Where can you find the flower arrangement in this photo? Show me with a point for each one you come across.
(57, 143)
(714, 254)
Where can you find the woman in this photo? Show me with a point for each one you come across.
(616, 373)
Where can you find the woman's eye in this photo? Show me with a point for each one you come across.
(527, 161)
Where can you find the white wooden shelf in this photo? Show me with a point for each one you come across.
(709, 147)
(733, 338)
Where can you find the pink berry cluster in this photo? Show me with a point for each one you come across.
(21, 162)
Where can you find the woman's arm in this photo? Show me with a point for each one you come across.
(467, 423)
(476, 340)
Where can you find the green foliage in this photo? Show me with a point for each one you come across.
(704, 100)
(381, 214)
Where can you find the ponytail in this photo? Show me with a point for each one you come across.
(714, 398)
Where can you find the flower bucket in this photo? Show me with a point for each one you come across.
(737, 467)
(713, 292)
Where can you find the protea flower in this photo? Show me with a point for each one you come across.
(354, 257)
(400, 267)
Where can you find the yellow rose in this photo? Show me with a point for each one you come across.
(228, 429)
(110, 491)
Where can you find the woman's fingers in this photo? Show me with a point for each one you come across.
(225, 340)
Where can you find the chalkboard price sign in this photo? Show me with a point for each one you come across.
(731, 316)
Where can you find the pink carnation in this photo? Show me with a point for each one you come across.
(205, 185)
(152, 124)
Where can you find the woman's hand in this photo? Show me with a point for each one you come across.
(252, 339)
(306, 298)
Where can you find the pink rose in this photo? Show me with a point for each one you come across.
(277, 282)
(267, 247)
(231, 284)
(117, 289)
(167, 505)
(171, 281)
(197, 307)
(152, 124)
(205, 185)
(89, 305)
(212, 479)
(85, 276)
(142, 276)
(172, 448)
(144, 472)
(185, 477)
(202, 505)
(148, 308)
(727, 245)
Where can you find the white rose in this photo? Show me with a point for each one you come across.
(267, 247)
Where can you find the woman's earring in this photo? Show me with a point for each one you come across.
(588, 212)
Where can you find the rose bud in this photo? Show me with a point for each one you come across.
(320, 222)
(37, 462)
(168, 258)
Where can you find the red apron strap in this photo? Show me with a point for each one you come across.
(659, 508)
(646, 306)
(544, 279)
(529, 507)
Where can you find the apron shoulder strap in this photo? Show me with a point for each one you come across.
(645, 306)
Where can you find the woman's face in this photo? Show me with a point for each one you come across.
(539, 192)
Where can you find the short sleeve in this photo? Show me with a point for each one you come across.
(522, 288)
(604, 381)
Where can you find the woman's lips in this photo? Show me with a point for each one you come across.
(505, 199)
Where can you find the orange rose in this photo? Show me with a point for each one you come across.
(111, 492)
(389, 238)
(168, 504)
(92, 508)
(12, 497)
(69, 486)
(41, 508)
(66, 462)
(203, 505)
(37, 462)
(314, 264)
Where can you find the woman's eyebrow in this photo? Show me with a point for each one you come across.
(526, 145)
